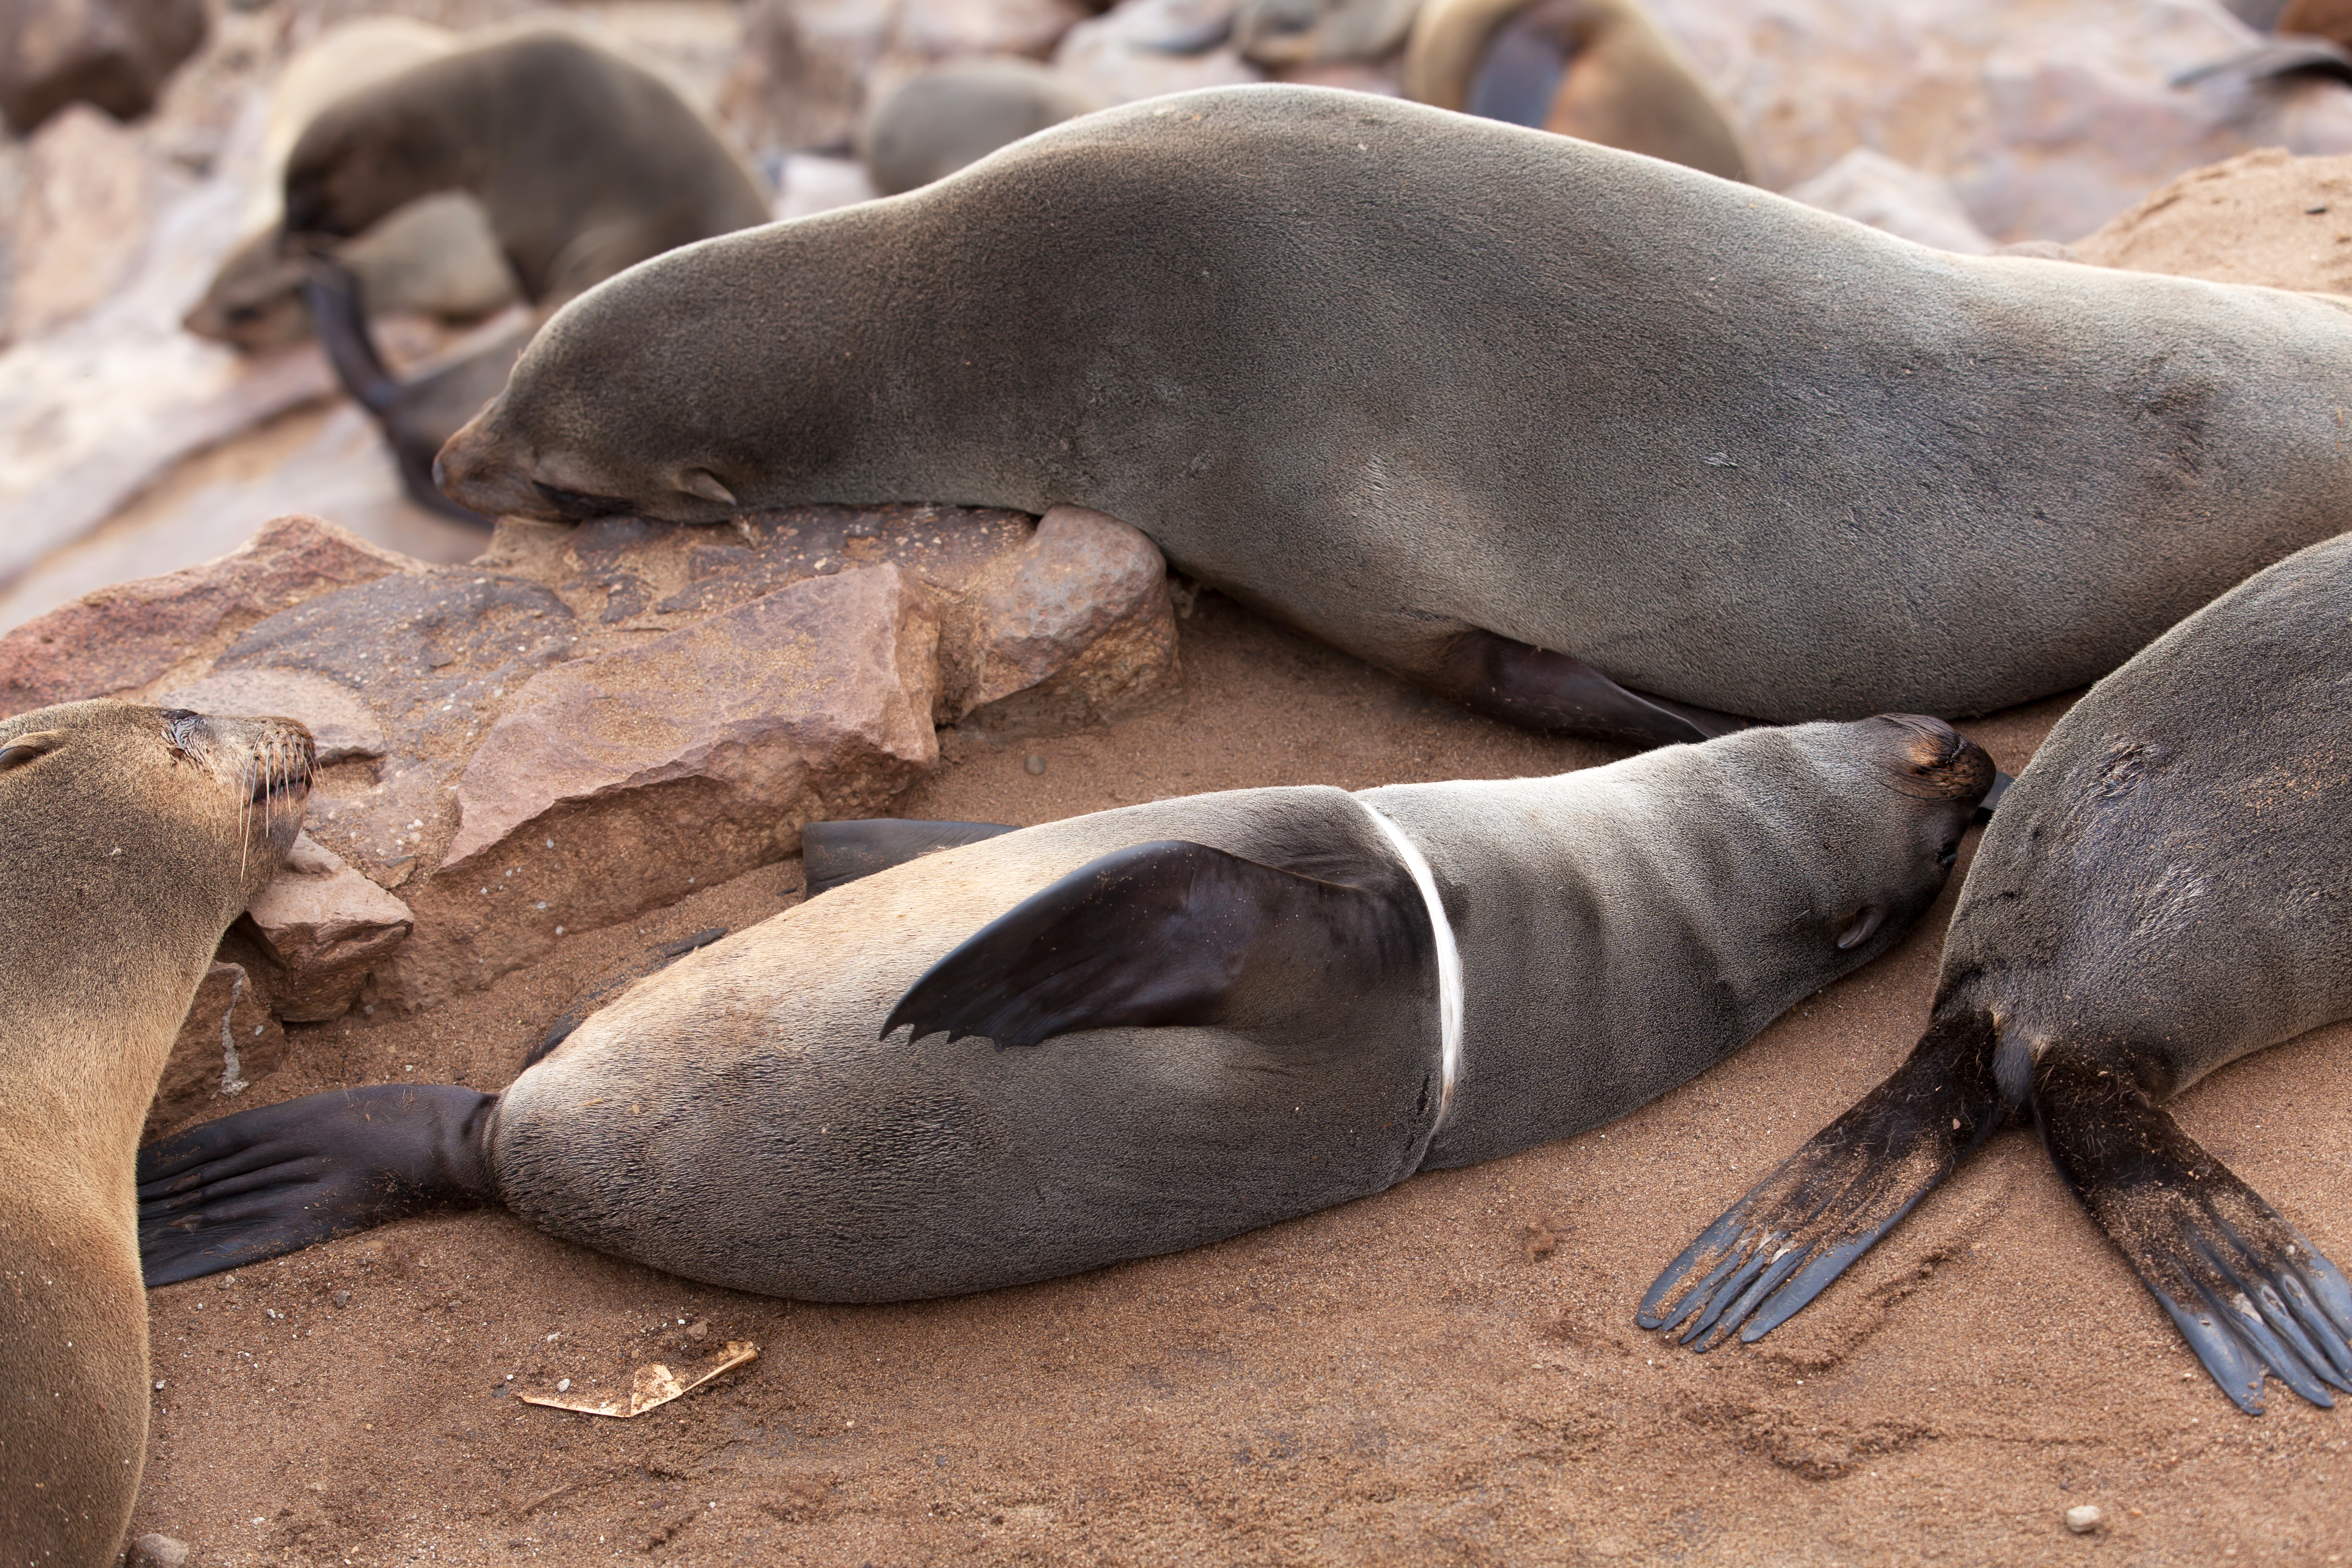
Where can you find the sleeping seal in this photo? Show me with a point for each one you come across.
(1569, 435)
(1601, 69)
(2167, 888)
(134, 835)
(1228, 1010)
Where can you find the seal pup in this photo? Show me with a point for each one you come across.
(1601, 69)
(2165, 889)
(1207, 1015)
(937, 121)
(134, 835)
(1731, 454)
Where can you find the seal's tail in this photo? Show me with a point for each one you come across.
(2245, 1289)
(269, 1180)
(1779, 1246)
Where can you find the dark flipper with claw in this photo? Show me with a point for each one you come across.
(267, 1182)
(2246, 1289)
(1539, 689)
(1163, 933)
(834, 853)
(1781, 1245)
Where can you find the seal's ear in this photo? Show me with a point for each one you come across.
(704, 483)
(1163, 933)
(18, 750)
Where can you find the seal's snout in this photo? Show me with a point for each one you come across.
(1932, 760)
(473, 469)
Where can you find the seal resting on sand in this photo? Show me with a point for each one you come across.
(2167, 888)
(1571, 436)
(1208, 1013)
(134, 835)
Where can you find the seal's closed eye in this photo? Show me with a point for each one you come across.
(22, 749)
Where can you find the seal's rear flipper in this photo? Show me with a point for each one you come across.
(1780, 1246)
(834, 853)
(266, 1182)
(1538, 689)
(2245, 1289)
(1163, 933)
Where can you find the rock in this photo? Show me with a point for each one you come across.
(2265, 217)
(1113, 56)
(119, 639)
(327, 927)
(229, 1040)
(622, 781)
(808, 68)
(82, 216)
(1873, 188)
(2085, 1519)
(116, 54)
(152, 1551)
(344, 726)
(1075, 627)
(811, 183)
(2047, 116)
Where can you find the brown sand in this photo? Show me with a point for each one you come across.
(1447, 1372)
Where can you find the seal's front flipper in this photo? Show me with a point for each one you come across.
(339, 314)
(1163, 933)
(1780, 1246)
(2245, 1289)
(266, 1182)
(832, 853)
(1538, 689)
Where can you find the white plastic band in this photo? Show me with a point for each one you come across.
(1449, 959)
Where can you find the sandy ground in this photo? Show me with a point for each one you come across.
(1447, 1372)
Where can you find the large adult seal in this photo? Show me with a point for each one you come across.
(2167, 888)
(1601, 69)
(584, 162)
(1195, 1016)
(1567, 434)
(134, 835)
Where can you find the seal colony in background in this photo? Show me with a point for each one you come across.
(2167, 888)
(134, 835)
(1222, 1011)
(1583, 439)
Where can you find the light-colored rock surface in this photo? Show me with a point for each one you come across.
(153, 1550)
(2047, 116)
(116, 54)
(229, 1040)
(1873, 188)
(2265, 217)
(328, 927)
(811, 183)
(119, 639)
(79, 221)
(1111, 57)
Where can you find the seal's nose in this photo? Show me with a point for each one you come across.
(470, 470)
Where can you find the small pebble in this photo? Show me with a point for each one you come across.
(2086, 1518)
(158, 1551)
(1035, 764)
(2316, 209)
(342, 1298)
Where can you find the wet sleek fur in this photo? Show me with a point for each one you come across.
(2167, 888)
(1237, 997)
(1422, 383)
(1596, 68)
(133, 837)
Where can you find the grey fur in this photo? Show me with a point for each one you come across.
(1392, 374)
(937, 120)
(735, 1120)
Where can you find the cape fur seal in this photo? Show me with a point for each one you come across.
(1542, 426)
(937, 121)
(584, 164)
(2167, 888)
(1232, 1008)
(1601, 69)
(134, 835)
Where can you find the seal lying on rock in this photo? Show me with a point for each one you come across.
(1528, 421)
(134, 835)
(2167, 888)
(584, 162)
(1601, 69)
(1232, 1009)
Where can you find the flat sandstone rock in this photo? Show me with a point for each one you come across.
(2265, 217)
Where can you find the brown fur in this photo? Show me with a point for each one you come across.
(131, 840)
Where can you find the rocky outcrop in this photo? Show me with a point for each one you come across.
(2266, 217)
(80, 220)
(116, 54)
(229, 1040)
(1873, 188)
(325, 928)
